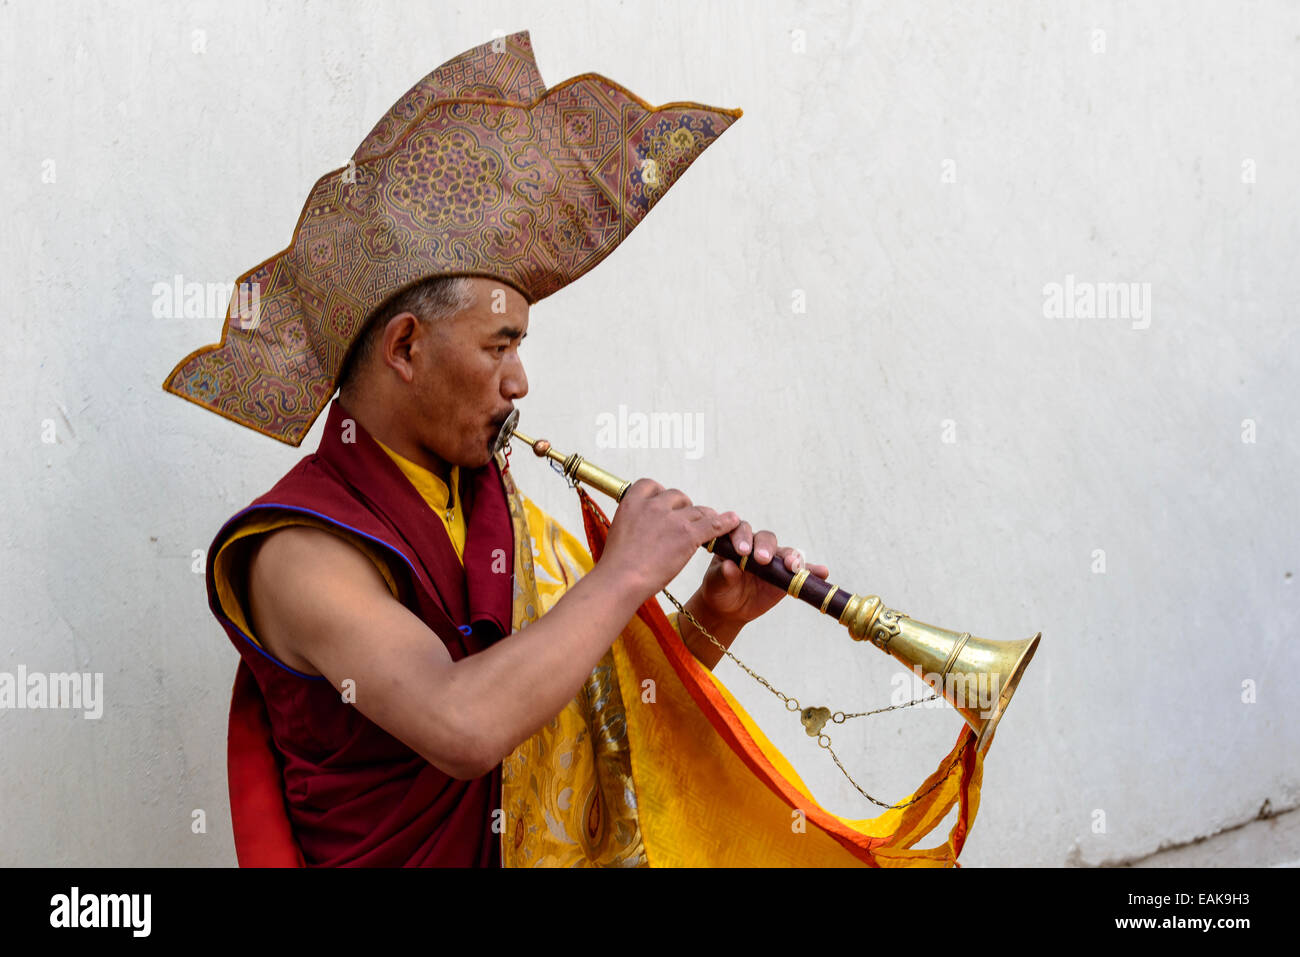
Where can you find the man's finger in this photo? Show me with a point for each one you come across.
(676, 498)
(709, 514)
(742, 538)
(793, 557)
(764, 546)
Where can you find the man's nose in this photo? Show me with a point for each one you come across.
(514, 385)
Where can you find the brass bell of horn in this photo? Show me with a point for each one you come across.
(977, 676)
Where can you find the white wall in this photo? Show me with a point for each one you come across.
(925, 303)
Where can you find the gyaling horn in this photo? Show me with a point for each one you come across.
(976, 676)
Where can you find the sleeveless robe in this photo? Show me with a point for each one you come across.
(355, 795)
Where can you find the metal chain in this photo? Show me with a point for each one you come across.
(727, 651)
(892, 807)
(839, 717)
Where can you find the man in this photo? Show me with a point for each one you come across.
(433, 672)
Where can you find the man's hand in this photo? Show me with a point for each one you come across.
(656, 531)
(729, 598)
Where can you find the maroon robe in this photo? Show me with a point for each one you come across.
(356, 795)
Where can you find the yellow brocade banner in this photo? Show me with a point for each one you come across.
(655, 762)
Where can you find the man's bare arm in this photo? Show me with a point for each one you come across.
(315, 593)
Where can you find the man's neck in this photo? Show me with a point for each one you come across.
(385, 428)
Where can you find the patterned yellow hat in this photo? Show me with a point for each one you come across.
(477, 170)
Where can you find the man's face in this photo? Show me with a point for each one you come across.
(468, 374)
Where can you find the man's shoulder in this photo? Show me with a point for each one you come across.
(269, 548)
(297, 552)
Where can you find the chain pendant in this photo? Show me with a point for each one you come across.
(814, 719)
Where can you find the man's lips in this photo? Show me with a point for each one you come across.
(495, 425)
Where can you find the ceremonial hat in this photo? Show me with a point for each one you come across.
(479, 170)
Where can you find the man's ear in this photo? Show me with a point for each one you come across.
(400, 334)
